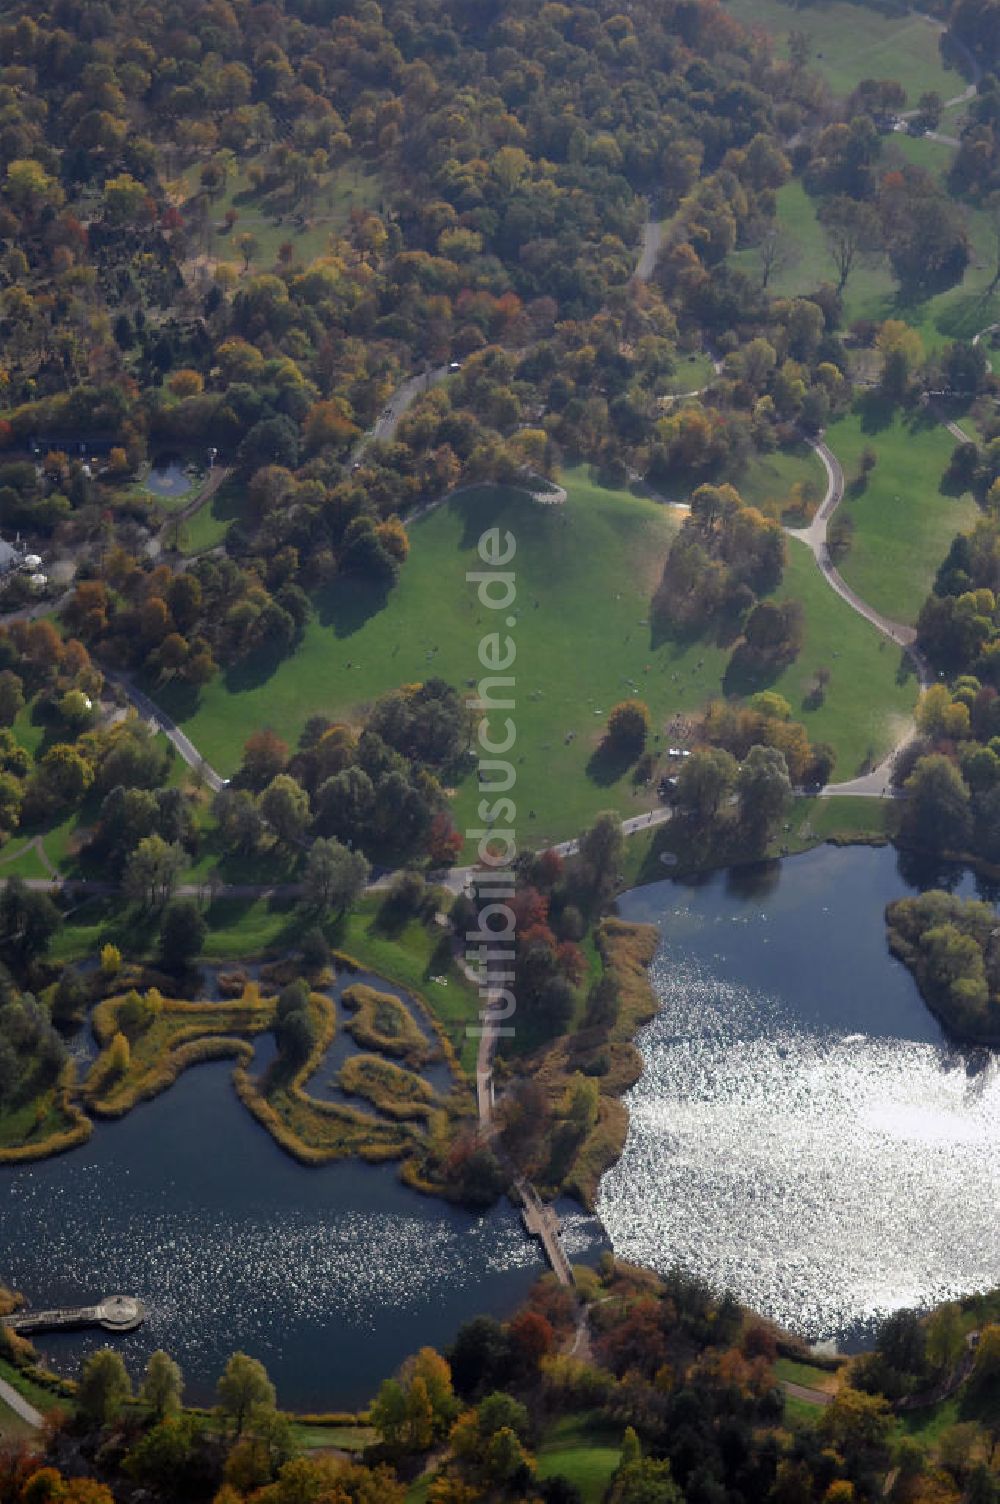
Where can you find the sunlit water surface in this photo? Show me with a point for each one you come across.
(331, 1276)
(803, 1134)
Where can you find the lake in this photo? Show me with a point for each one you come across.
(330, 1275)
(803, 1133)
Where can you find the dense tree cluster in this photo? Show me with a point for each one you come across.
(379, 788)
(32, 1055)
(724, 557)
(950, 945)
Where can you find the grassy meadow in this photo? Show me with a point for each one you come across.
(850, 42)
(586, 573)
(272, 222)
(903, 521)
(872, 293)
(576, 1448)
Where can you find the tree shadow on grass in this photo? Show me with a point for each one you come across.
(746, 676)
(906, 669)
(176, 698)
(505, 508)
(229, 913)
(876, 412)
(348, 603)
(608, 763)
(964, 316)
(255, 669)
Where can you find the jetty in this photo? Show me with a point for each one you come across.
(115, 1313)
(542, 1222)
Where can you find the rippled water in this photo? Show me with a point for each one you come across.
(331, 1275)
(803, 1133)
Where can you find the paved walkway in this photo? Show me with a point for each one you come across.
(877, 783)
(160, 721)
(404, 396)
(17, 1402)
(652, 242)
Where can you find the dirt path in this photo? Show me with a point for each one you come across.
(808, 1396)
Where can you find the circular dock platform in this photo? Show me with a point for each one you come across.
(121, 1313)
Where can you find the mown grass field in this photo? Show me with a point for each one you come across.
(903, 521)
(806, 1374)
(586, 573)
(872, 293)
(768, 479)
(207, 527)
(576, 1449)
(850, 42)
(692, 374)
(306, 226)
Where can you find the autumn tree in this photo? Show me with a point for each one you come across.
(764, 791)
(243, 1385)
(705, 781)
(182, 933)
(103, 1388)
(161, 1387)
(152, 871)
(334, 876)
(601, 851)
(628, 727)
(853, 233)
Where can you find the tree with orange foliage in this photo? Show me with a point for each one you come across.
(532, 1339)
(444, 842)
(572, 961)
(393, 538)
(186, 383)
(265, 755)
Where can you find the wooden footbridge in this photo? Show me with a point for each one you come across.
(542, 1222)
(116, 1313)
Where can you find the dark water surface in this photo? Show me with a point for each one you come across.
(330, 1275)
(803, 1133)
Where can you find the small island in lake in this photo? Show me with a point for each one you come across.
(952, 947)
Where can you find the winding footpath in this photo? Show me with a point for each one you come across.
(875, 784)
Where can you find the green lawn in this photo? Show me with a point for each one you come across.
(585, 576)
(207, 527)
(903, 522)
(576, 1449)
(692, 374)
(42, 1399)
(839, 819)
(799, 1413)
(306, 226)
(20, 859)
(852, 42)
(344, 1438)
(929, 1422)
(769, 478)
(805, 1374)
(959, 312)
